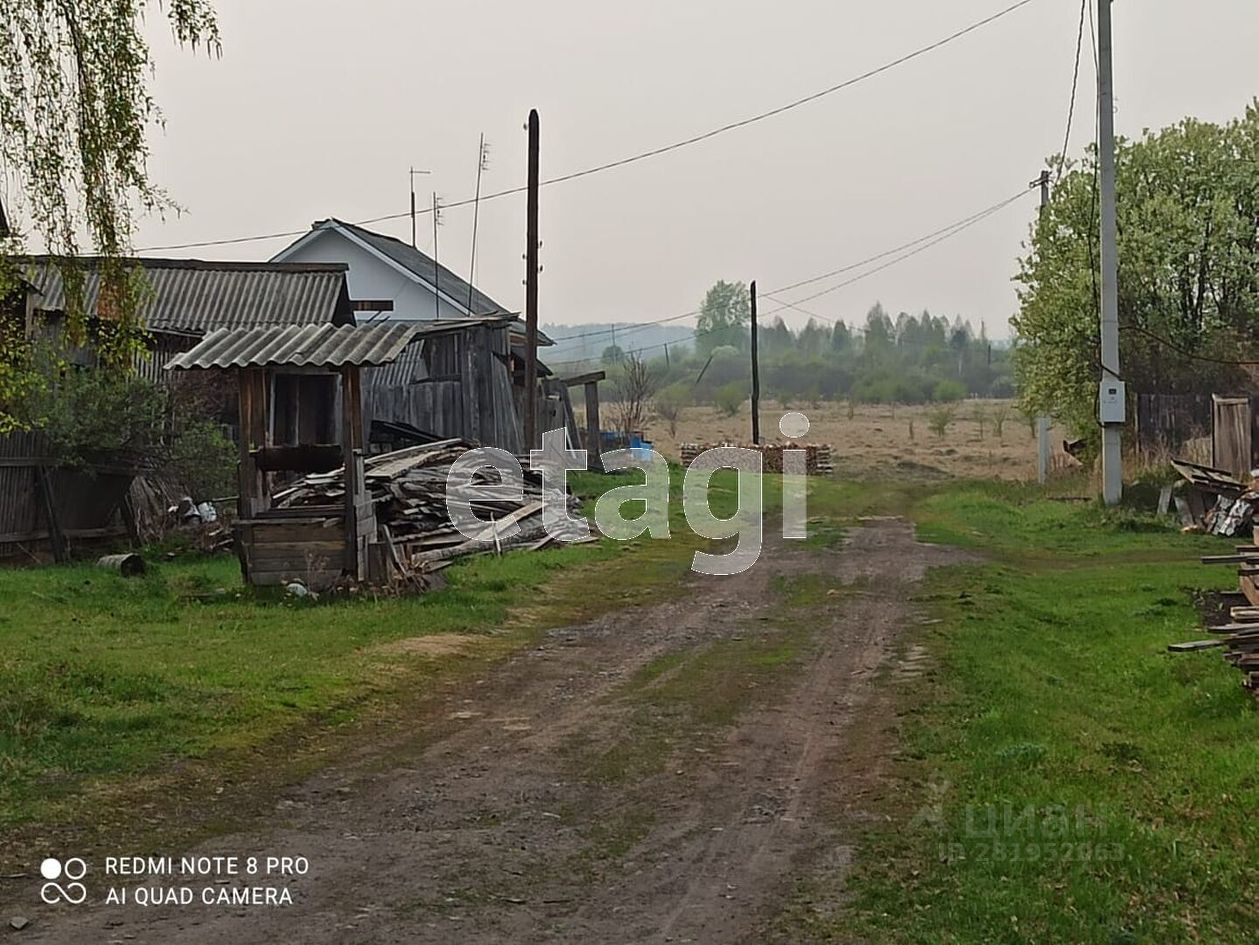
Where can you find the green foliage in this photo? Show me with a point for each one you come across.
(203, 460)
(93, 416)
(730, 397)
(940, 418)
(74, 114)
(669, 403)
(1000, 414)
(723, 317)
(948, 392)
(1188, 199)
(612, 354)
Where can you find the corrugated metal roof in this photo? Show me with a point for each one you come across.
(327, 346)
(410, 258)
(195, 295)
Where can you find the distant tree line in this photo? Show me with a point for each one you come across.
(906, 359)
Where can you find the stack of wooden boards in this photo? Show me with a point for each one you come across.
(817, 456)
(408, 488)
(1238, 637)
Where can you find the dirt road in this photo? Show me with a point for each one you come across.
(659, 775)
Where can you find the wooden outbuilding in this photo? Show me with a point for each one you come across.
(301, 411)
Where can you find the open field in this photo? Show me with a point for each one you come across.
(882, 436)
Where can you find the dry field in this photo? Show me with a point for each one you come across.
(882, 437)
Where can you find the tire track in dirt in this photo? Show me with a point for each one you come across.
(484, 829)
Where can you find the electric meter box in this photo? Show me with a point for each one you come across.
(1111, 402)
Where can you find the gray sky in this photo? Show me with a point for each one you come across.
(318, 108)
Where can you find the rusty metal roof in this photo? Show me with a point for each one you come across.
(326, 346)
(196, 295)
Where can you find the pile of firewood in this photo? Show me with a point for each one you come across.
(408, 488)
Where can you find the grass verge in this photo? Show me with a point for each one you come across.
(1062, 777)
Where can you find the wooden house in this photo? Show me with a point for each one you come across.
(44, 509)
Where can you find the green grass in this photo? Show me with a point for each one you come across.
(1062, 777)
(102, 675)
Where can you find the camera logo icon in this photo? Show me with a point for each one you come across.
(72, 870)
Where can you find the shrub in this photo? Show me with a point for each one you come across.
(948, 391)
(940, 418)
(1000, 415)
(203, 460)
(729, 398)
(669, 403)
(93, 415)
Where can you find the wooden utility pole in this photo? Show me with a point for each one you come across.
(476, 218)
(1112, 398)
(437, 296)
(756, 375)
(413, 173)
(1043, 181)
(531, 288)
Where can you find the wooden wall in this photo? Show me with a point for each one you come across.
(450, 385)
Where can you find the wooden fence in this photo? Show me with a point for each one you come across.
(47, 511)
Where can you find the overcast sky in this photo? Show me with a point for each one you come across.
(317, 108)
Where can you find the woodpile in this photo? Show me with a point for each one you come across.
(1238, 636)
(408, 489)
(817, 458)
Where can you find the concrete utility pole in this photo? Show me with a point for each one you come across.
(756, 376)
(1112, 397)
(531, 288)
(1043, 447)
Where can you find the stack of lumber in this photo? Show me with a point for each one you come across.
(408, 489)
(1238, 637)
(817, 459)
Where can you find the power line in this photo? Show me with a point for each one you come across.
(945, 232)
(654, 152)
(928, 241)
(974, 217)
(1075, 87)
(946, 235)
(1168, 343)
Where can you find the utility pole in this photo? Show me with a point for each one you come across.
(413, 173)
(482, 159)
(1043, 181)
(1112, 398)
(531, 287)
(1043, 423)
(437, 221)
(756, 376)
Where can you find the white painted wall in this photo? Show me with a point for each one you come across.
(372, 278)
